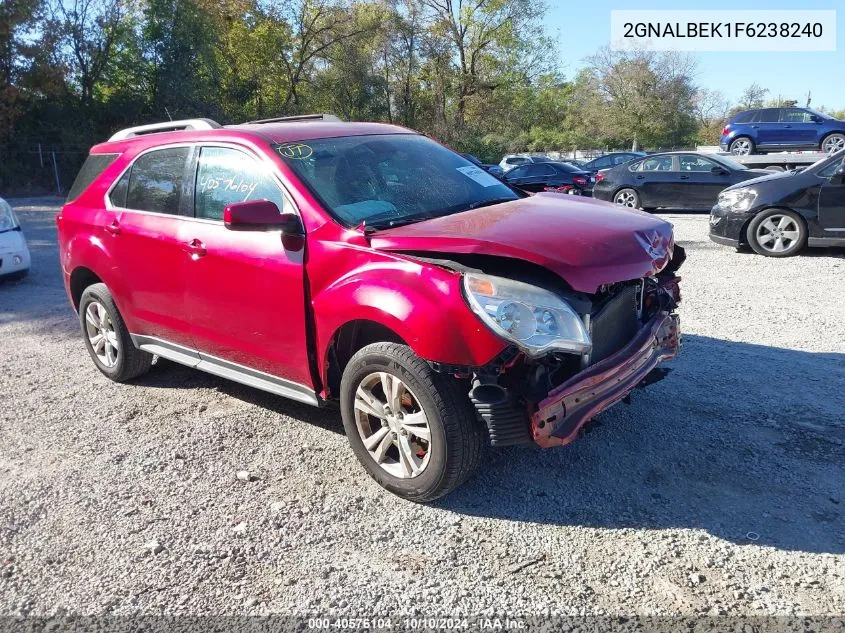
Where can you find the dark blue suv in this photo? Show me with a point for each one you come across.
(779, 129)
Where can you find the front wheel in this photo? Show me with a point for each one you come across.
(413, 430)
(833, 143)
(777, 233)
(627, 198)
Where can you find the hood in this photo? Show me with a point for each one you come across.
(586, 242)
(769, 175)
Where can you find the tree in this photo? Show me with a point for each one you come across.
(486, 37)
(641, 96)
(712, 109)
(752, 97)
(87, 33)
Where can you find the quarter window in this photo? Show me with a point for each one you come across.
(155, 181)
(658, 163)
(745, 117)
(226, 176)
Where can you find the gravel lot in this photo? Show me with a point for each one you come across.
(718, 490)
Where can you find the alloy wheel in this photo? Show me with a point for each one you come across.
(741, 147)
(833, 143)
(101, 334)
(626, 198)
(392, 425)
(778, 233)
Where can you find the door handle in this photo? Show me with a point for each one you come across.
(787, 126)
(684, 177)
(640, 177)
(113, 228)
(196, 248)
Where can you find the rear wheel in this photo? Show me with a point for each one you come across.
(106, 337)
(627, 198)
(777, 233)
(413, 430)
(742, 146)
(833, 143)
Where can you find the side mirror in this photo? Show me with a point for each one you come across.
(260, 215)
(838, 177)
(718, 171)
(815, 118)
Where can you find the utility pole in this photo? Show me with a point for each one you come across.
(808, 98)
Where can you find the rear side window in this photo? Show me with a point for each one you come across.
(745, 117)
(156, 179)
(93, 166)
(657, 163)
(769, 115)
(226, 176)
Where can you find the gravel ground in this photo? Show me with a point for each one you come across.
(718, 490)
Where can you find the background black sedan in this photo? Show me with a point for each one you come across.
(493, 169)
(561, 177)
(679, 180)
(777, 215)
(608, 161)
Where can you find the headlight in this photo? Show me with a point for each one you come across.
(737, 199)
(535, 319)
(8, 220)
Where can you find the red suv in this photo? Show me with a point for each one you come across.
(368, 265)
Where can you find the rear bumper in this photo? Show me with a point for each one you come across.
(571, 405)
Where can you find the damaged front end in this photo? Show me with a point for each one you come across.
(550, 398)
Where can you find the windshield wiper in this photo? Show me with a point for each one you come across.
(487, 203)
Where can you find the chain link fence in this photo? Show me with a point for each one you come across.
(38, 169)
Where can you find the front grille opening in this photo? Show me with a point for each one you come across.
(614, 324)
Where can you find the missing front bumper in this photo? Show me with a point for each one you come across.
(571, 405)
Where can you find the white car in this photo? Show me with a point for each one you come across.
(509, 161)
(14, 254)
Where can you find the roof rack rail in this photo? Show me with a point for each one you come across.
(166, 126)
(299, 117)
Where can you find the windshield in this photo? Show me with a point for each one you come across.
(390, 179)
(727, 162)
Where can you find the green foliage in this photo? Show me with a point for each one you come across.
(480, 76)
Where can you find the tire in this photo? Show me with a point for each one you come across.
(125, 361)
(627, 198)
(832, 143)
(742, 146)
(777, 233)
(457, 439)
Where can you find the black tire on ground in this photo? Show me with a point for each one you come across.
(793, 224)
(627, 197)
(741, 140)
(131, 362)
(458, 438)
(15, 276)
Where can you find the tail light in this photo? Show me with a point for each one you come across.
(726, 130)
(599, 177)
(563, 189)
(580, 181)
